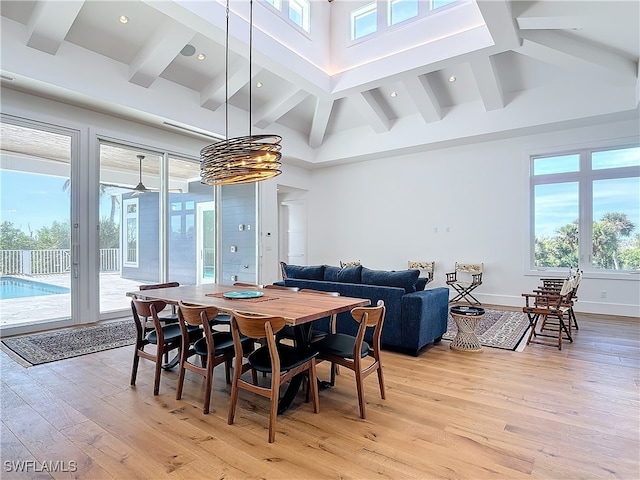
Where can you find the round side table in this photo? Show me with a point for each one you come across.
(467, 319)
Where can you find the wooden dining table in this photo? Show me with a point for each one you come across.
(298, 309)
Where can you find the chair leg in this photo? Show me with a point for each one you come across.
(313, 386)
(360, 390)
(381, 381)
(208, 386)
(234, 393)
(134, 366)
(158, 370)
(181, 371)
(273, 410)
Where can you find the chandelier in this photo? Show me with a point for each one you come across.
(247, 159)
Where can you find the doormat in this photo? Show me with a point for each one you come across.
(45, 347)
(497, 329)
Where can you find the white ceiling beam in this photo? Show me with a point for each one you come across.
(320, 122)
(371, 111)
(498, 17)
(158, 52)
(583, 52)
(213, 96)
(49, 24)
(424, 98)
(561, 15)
(488, 82)
(277, 107)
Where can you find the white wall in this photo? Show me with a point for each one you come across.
(386, 212)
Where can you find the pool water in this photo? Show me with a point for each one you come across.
(11, 287)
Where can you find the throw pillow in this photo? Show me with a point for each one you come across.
(331, 273)
(350, 274)
(406, 279)
(304, 272)
(354, 263)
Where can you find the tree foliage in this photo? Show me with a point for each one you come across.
(615, 247)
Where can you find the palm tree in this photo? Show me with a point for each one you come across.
(115, 201)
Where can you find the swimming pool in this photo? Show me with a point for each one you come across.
(11, 287)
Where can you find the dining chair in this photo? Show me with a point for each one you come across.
(281, 361)
(349, 351)
(541, 307)
(165, 338)
(173, 316)
(212, 349)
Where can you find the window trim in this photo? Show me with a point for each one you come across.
(125, 232)
(585, 178)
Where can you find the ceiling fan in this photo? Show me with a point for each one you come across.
(140, 188)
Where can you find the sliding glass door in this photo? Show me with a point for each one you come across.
(38, 239)
(150, 222)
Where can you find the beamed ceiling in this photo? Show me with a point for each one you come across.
(520, 66)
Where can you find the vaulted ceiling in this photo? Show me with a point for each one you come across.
(522, 66)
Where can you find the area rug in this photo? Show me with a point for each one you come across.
(45, 347)
(497, 329)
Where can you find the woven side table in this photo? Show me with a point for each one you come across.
(467, 319)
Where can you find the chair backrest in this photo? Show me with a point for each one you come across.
(196, 315)
(426, 267)
(282, 287)
(369, 317)
(469, 267)
(255, 325)
(146, 308)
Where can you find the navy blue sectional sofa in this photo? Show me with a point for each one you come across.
(415, 317)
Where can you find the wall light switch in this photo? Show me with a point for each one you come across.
(234, 249)
(241, 227)
(234, 278)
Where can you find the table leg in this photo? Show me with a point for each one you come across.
(303, 337)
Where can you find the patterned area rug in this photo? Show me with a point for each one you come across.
(46, 347)
(497, 329)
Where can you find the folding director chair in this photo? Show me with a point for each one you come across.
(464, 287)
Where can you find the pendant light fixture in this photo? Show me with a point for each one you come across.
(248, 159)
(140, 188)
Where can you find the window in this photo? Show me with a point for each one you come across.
(299, 13)
(131, 232)
(401, 10)
(586, 209)
(364, 21)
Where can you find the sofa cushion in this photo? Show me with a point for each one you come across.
(331, 273)
(402, 279)
(350, 274)
(311, 272)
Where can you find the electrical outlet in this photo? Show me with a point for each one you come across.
(234, 278)
(234, 249)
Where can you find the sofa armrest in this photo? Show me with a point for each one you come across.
(424, 317)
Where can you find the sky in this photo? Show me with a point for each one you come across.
(32, 201)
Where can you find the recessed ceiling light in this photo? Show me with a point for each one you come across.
(452, 78)
(259, 85)
(394, 94)
(201, 56)
(124, 19)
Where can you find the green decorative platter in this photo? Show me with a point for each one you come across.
(239, 295)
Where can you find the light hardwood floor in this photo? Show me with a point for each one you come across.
(542, 414)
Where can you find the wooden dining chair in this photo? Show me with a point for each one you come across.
(212, 349)
(349, 351)
(281, 361)
(165, 338)
(548, 311)
(168, 318)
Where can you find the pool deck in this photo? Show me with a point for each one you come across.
(16, 311)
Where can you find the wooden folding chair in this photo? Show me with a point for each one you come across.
(460, 282)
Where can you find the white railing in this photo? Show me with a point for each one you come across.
(47, 262)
